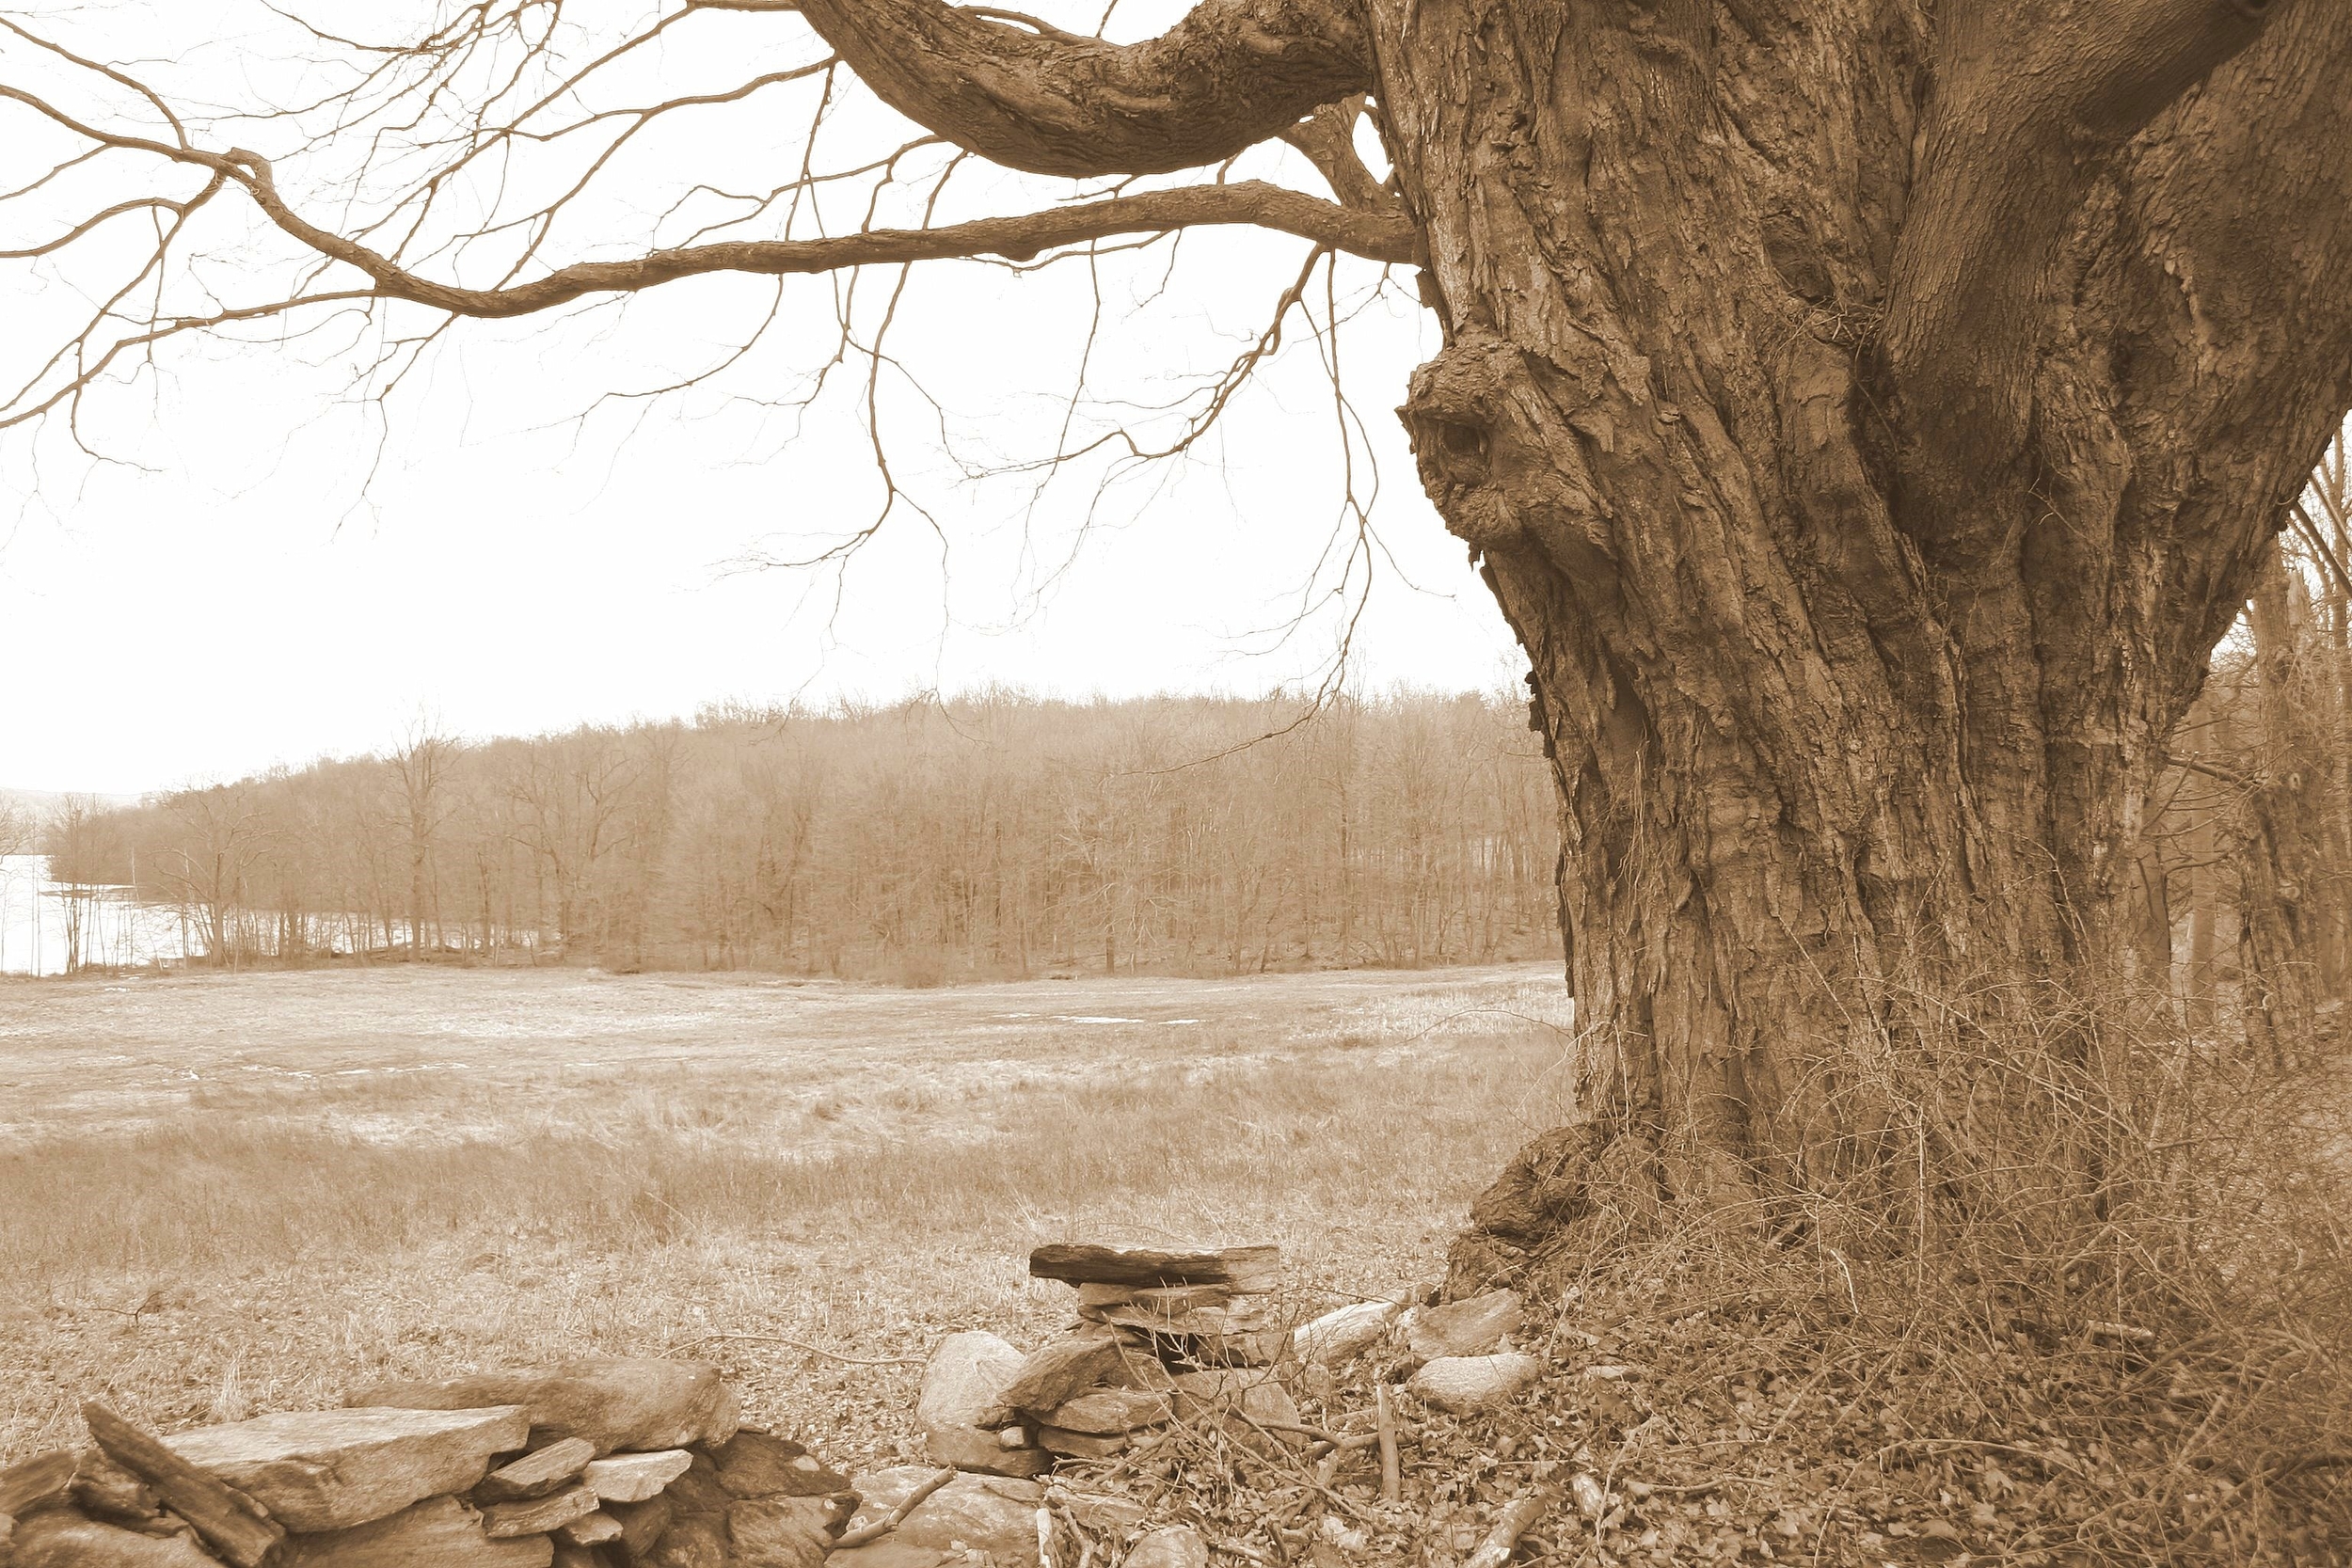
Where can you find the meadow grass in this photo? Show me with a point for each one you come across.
(223, 1230)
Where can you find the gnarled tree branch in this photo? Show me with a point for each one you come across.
(2031, 102)
(1232, 74)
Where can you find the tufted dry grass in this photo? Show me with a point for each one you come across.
(220, 1196)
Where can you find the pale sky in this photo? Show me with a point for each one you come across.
(275, 572)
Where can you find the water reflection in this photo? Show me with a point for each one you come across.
(52, 927)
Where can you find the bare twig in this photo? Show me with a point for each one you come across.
(897, 1516)
(802, 1344)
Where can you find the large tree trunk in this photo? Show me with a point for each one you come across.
(1868, 467)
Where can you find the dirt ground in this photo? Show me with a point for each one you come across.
(228, 1193)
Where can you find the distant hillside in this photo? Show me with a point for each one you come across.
(990, 835)
(43, 801)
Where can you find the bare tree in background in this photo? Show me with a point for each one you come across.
(422, 763)
(1870, 414)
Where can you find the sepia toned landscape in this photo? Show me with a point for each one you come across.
(1175, 784)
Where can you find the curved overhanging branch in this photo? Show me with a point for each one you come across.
(2031, 102)
(1253, 202)
(1382, 236)
(1232, 74)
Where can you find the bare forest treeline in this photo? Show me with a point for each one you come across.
(991, 836)
(2243, 889)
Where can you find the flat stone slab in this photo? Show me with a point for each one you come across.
(538, 1516)
(621, 1401)
(440, 1532)
(997, 1514)
(1338, 1337)
(1258, 1395)
(1238, 1267)
(592, 1529)
(969, 1448)
(641, 1524)
(1054, 1371)
(1109, 1411)
(888, 1553)
(698, 1541)
(66, 1540)
(1471, 1328)
(1171, 1547)
(965, 1375)
(329, 1469)
(633, 1478)
(535, 1475)
(1464, 1383)
(785, 1532)
(755, 1463)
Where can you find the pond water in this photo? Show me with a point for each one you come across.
(46, 925)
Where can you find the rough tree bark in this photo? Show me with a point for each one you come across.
(1869, 426)
(1868, 412)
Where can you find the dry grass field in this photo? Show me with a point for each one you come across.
(224, 1195)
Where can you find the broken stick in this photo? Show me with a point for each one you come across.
(897, 1516)
(1512, 1523)
(1392, 1481)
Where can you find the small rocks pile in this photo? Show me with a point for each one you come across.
(638, 1463)
(1167, 1348)
(1160, 1336)
(610, 1462)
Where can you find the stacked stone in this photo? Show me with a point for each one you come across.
(610, 1462)
(1160, 1336)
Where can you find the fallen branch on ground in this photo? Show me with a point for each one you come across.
(897, 1516)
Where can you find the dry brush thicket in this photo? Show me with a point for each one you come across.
(989, 836)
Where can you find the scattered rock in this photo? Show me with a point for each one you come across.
(538, 1516)
(1080, 1445)
(440, 1532)
(107, 1491)
(1102, 1512)
(785, 1532)
(1220, 1320)
(641, 1524)
(969, 1448)
(42, 1479)
(592, 1529)
(992, 1513)
(329, 1469)
(1240, 1268)
(1254, 1394)
(698, 1489)
(614, 1402)
(1171, 1547)
(1338, 1337)
(965, 1381)
(1463, 1384)
(1113, 1410)
(889, 1553)
(632, 1478)
(62, 1538)
(1174, 1301)
(570, 1555)
(1056, 1371)
(693, 1541)
(1473, 1328)
(965, 1377)
(538, 1473)
(1140, 1368)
